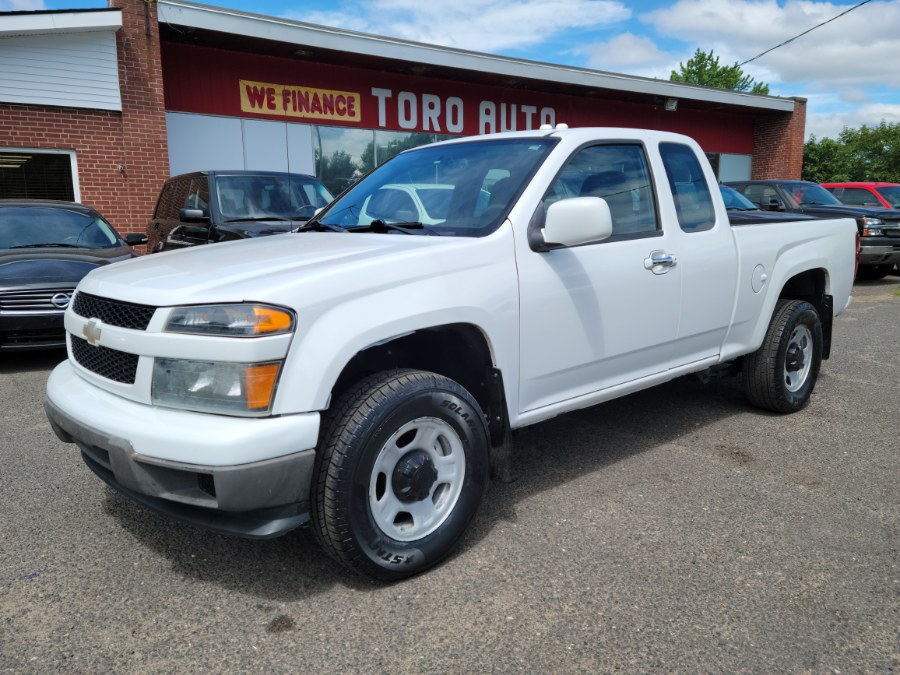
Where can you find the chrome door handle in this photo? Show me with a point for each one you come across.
(659, 262)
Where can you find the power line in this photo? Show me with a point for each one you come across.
(805, 32)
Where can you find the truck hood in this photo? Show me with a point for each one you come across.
(272, 268)
(837, 210)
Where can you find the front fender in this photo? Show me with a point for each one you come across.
(484, 294)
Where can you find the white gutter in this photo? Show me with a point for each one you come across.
(59, 22)
(234, 22)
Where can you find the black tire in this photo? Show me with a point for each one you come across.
(401, 468)
(873, 272)
(781, 375)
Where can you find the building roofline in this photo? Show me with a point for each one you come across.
(235, 22)
(74, 21)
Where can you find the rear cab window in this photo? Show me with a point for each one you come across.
(690, 191)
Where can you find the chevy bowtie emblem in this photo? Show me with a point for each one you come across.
(91, 332)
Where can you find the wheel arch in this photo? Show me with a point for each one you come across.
(812, 286)
(459, 351)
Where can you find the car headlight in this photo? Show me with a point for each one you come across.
(236, 320)
(223, 387)
(872, 227)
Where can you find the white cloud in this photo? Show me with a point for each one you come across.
(21, 5)
(831, 124)
(857, 49)
(629, 53)
(474, 24)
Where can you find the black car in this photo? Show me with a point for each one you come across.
(46, 247)
(879, 229)
(206, 207)
(741, 211)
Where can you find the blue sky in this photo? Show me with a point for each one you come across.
(847, 69)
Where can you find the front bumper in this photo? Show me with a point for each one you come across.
(252, 497)
(32, 331)
(879, 251)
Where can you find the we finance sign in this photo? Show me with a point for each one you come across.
(303, 102)
(395, 109)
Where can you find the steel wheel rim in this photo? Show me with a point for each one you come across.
(798, 358)
(432, 440)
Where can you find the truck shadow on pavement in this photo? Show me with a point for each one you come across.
(545, 456)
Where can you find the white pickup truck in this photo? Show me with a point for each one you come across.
(363, 374)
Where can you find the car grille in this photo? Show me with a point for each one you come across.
(113, 312)
(36, 301)
(109, 363)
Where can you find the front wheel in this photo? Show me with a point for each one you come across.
(401, 469)
(781, 374)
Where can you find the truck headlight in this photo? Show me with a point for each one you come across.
(872, 227)
(222, 387)
(235, 320)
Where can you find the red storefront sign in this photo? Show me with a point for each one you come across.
(221, 82)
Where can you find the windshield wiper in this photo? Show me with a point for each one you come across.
(379, 225)
(315, 225)
(49, 245)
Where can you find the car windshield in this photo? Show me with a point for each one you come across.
(811, 195)
(47, 227)
(891, 193)
(243, 197)
(458, 189)
(735, 200)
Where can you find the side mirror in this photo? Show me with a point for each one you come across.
(576, 221)
(772, 205)
(135, 239)
(192, 215)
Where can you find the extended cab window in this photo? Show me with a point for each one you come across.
(693, 203)
(617, 174)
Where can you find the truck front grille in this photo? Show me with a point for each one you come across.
(42, 301)
(109, 363)
(113, 312)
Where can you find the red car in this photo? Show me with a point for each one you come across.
(886, 195)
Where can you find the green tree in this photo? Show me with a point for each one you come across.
(863, 154)
(704, 68)
(825, 161)
(874, 152)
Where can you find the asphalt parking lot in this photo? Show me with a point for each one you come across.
(673, 530)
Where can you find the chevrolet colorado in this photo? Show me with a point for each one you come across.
(363, 375)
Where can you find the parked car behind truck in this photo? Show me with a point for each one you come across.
(363, 376)
(206, 207)
(879, 229)
(46, 247)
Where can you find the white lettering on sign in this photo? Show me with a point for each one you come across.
(454, 115)
(430, 112)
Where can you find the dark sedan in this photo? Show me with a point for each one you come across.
(45, 249)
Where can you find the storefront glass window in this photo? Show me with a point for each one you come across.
(343, 156)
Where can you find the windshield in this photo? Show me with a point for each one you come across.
(891, 194)
(34, 227)
(458, 189)
(735, 200)
(277, 197)
(811, 195)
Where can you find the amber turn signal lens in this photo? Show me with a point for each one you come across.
(271, 320)
(260, 383)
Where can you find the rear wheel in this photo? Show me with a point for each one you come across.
(781, 374)
(401, 468)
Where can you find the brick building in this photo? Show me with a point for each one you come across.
(101, 106)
